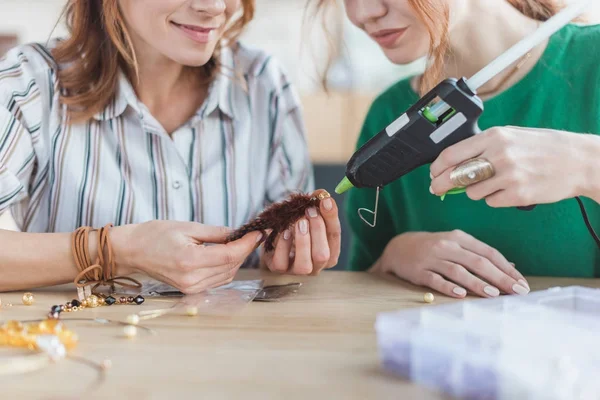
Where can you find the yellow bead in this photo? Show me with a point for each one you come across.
(130, 331)
(13, 326)
(51, 326)
(428, 298)
(84, 303)
(92, 301)
(101, 301)
(28, 299)
(133, 319)
(191, 311)
(69, 339)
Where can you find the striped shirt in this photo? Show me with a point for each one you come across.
(243, 149)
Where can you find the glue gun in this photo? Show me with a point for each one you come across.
(419, 135)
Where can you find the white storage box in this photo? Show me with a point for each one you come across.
(545, 345)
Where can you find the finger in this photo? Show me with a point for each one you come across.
(437, 282)
(281, 257)
(330, 213)
(218, 276)
(206, 233)
(487, 271)
(303, 256)
(458, 153)
(494, 256)
(318, 240)
(465, 279)
(230, 253)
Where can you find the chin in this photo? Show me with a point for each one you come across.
(401, 57)
(193, 59)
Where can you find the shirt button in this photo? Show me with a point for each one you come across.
(176, 185)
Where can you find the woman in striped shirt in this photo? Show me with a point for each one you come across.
(153, 117)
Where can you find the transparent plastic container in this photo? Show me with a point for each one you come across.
(542, 346)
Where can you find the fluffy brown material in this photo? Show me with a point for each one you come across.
(278, 217)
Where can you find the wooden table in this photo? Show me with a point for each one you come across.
(318, 344)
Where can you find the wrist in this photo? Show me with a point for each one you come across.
(589, 169)
(123, 252)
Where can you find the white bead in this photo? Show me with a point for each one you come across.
(191, 311)
(428, 298)
(133, 319)
(130, 331)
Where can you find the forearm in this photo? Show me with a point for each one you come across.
(29, 260)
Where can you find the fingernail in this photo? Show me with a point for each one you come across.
(430, 190)
(491, 291)
(292, 253)
(328, 204)
(259, 237)
(518, 289)
(459, 291)
(304, 227)
(286, 234)
(312, 212)
(523, 283)
(430, 175)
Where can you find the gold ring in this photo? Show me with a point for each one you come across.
(471, 172)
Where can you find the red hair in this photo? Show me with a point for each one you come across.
(434, 14)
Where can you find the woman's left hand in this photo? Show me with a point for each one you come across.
(312, 246)
(532, 166)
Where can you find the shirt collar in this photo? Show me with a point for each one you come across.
(220, 94)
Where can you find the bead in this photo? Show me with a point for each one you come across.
(68, 305)
(93, 301)
(13, 326)
(53, 315)
(68, 338)
(62, 308)
(28, 299)
(191, 311)
(51, 326)
(101, 301)
(75, 303)
(123, 300)
(110, 300)
(138, 300)
(130, 331)
(133, 319)
(84, 303)
(74, 309)
(428, 298)
(56, 309)
(130, 299)
(106, 364)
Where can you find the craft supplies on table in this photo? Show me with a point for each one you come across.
(540, 346)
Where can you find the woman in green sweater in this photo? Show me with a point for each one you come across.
(540, 127)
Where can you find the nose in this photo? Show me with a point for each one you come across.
(211, 7)
(369, 10)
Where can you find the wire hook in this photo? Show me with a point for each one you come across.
(373, 213)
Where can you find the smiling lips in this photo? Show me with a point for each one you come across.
(388, 38)
(196, 33)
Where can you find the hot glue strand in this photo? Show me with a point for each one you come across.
(278, 217)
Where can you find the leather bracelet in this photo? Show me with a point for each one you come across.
(101, 272)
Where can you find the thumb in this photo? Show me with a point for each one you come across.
(208, 233)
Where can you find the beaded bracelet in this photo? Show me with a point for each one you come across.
(93, 301)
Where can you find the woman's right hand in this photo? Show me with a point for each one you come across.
(451, 263)
(186, 255)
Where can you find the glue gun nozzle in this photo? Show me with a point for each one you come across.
(344, 186)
